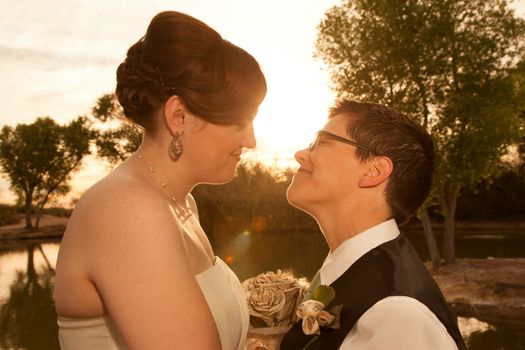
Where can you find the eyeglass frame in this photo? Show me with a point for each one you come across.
(338, 138)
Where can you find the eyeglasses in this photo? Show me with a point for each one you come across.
(328, 135)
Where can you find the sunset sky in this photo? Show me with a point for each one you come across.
(58, 56)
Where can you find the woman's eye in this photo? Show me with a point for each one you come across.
(314, 144)
(242, 126)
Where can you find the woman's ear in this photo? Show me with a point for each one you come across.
(174, 114)
(378, 171)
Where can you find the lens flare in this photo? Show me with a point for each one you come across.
(258, 223)
(242, 242)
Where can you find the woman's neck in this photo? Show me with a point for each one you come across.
(171, 176)
(343, 222)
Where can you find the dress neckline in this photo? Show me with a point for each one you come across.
(82, 322)
(216, 263)
(97, 320)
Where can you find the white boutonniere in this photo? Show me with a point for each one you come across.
(313, 314)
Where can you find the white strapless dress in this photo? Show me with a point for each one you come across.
(223, 293)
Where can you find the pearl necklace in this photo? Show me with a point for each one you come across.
(183, 212)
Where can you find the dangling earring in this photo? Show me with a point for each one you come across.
(176, 146)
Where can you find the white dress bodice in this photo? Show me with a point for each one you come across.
(227, 303)
(223, 293)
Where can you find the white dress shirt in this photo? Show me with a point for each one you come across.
(393, 323)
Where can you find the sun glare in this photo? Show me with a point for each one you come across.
(298, 90)
(289, 116)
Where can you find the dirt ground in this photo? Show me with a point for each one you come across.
(491, 290)
(50, 227)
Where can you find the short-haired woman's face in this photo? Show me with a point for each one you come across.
(328, 172)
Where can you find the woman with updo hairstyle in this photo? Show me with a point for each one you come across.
(135, 269)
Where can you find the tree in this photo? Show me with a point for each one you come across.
(518, 76)
(39, 159)
(445, 63)
(119, 142)
(254, 200)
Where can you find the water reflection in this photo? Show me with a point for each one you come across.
(481, 245)
(481, 335)
(27, 315)
(251, 253)
(470, 325)
(28, 319)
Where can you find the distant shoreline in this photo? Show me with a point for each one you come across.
(20, 234)
(53, 227)
(468, 228)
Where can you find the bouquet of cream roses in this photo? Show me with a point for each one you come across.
(273, 299)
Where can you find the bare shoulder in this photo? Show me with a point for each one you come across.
(134, 254)
(118, 202)
(121, 211)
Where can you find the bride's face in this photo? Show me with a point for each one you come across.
(329, 170)
(216, 150)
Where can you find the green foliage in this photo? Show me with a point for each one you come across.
(8, 215)
(502, 198)
(518, 77)
(254, 201)
(451, 65)
(446, 63)
(323, 294)
(117, 143)
(39, 158)
(107, 108)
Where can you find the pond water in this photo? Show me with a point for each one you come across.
(28, 320)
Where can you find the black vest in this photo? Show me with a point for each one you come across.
(391, 269)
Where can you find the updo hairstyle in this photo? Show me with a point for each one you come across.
(180, 55)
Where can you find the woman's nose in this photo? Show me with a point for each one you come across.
(302, 155)
(248, 140)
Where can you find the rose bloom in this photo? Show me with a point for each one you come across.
(266, 302)
(274, 297)
(283, 280)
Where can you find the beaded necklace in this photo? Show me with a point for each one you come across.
(182, 211)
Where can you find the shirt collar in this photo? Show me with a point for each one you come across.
(348, 252)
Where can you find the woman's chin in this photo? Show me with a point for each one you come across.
(221, 178)
(293, 195)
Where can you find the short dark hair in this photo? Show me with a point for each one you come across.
(180, 55)
(387, 132)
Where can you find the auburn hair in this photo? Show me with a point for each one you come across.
(180, 55)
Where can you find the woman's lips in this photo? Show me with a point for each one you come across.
(303, 171)
(237, 156)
